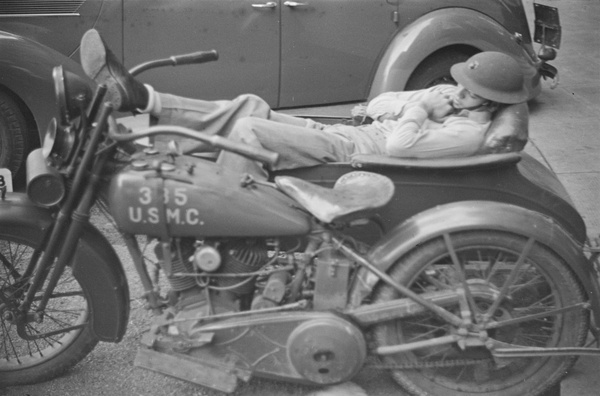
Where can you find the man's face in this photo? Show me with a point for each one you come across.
(465, 99)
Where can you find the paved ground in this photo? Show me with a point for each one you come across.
(565, 127)
(565, 134)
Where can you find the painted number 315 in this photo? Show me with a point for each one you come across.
(178, 195)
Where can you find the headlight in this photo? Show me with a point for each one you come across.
(73, 94)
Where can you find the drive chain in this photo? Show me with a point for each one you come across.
(430, 364)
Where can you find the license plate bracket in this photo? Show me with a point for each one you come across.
(547, 26)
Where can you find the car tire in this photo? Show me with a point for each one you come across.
(435, 69)
(13, 135)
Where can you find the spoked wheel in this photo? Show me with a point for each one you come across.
(508, 277)
(46, 345)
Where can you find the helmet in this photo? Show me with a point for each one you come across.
(493, 76)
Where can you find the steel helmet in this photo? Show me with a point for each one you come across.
(493, 76)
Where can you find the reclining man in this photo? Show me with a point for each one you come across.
(442, 121)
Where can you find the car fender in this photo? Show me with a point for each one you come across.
(477, 215)
(97, 265)
(443, 29)
(26, 73)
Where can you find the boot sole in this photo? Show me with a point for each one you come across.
(93, 61)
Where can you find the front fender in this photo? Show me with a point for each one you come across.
(96, 265)
(26, 73)
(477, 215)
(442, 29)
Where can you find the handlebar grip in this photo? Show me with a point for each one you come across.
(195, 58)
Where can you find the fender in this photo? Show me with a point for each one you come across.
(442, 29)
(96, 265)
(474, 215)
(33, 85)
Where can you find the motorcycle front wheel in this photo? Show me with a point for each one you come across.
(52, 342)
(534, 280)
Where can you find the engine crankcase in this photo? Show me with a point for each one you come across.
(308, 347)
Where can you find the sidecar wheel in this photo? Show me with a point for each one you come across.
(49, 352)
(542, 283)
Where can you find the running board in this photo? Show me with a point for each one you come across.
(503, 353)
(208, 374)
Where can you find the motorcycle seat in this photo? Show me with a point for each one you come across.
(353, 195)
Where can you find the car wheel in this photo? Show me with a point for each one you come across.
(435, 69)
(13, 135)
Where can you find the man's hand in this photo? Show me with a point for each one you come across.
(436, 105)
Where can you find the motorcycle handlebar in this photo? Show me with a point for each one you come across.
(255, 153)
(193, 58)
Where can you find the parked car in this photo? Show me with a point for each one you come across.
(293, 54)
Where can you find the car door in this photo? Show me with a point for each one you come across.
(57, 24)
(330, 48)
(244, 32)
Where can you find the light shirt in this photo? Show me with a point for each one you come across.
(458, 135)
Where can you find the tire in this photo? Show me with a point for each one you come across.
(13, 136)
(435, 69)
(543, 282)
(30, 361)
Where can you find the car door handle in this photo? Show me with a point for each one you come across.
(294, 4)
(269, 4)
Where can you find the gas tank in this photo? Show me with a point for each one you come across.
(193, 197)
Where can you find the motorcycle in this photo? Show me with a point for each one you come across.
(465, 286)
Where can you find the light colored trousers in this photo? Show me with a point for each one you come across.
(249, 119)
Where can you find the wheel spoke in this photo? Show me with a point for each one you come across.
(511, 277)
(468, 306)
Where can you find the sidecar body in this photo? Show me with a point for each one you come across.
(514, 178)
(501, 173)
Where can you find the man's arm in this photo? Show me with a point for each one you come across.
(415, 135)
(460, 137)
(391, 105)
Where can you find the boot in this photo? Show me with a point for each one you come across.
(124, 92)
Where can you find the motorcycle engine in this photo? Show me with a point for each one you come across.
(239, 257)
(225, 267)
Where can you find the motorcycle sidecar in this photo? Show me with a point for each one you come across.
(514, 178)
(501, 172)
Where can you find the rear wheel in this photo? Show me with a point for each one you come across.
(46, 346)
(489, 261)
